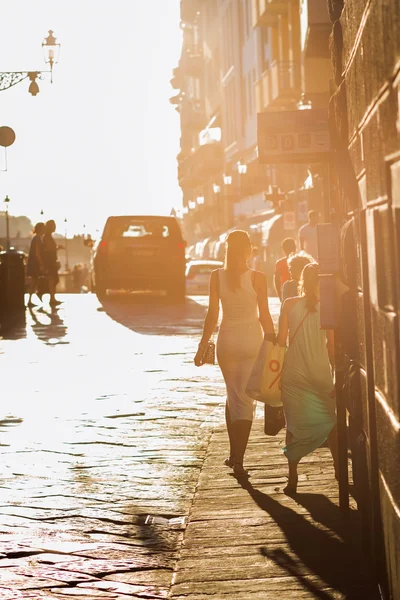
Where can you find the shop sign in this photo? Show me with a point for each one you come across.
(293, 136)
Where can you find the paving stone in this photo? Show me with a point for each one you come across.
(81, 471)
(137, 591)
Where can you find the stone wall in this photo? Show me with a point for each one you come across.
(365, 123)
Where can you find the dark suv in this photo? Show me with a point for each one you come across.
(140, 253)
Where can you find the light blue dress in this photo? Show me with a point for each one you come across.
(307, 384)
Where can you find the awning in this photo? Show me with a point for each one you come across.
(271, 230)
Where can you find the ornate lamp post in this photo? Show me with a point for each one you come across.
(51, 51)
(6, 202)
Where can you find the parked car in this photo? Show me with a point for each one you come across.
(140, 253)
(198, 275)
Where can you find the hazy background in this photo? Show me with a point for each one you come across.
(103, 138)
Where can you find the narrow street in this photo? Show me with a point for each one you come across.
(112, 444)
(105, 423)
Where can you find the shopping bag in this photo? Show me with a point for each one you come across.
(274, 419)
(264, 383)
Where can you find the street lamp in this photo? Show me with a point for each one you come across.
(6, 202)
(227, 179)
(192, 204)
(51, 51)
(216, 188)
(200, 200)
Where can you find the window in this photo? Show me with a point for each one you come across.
(139, 228)
(265, 48)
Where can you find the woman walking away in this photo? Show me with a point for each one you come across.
(35, 267)
(245, 316)
(307, 383)
(51, 261)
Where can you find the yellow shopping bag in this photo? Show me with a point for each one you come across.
(264, 384)
(271, 377)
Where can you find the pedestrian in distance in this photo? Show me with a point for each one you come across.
(296, 264)
(51, 262)
(281, 268)
(245, 321)
(308, 235)
(256, 260)
(307, 384)
(35, 266)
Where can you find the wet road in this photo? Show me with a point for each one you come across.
(105, 420)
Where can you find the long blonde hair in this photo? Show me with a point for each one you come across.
(238, 249)
(309, 286)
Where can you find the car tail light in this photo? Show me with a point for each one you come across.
(181, 245)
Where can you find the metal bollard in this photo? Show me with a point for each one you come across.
(12, 284)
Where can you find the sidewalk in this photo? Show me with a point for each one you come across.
(249, 541)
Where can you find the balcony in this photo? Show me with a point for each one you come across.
(189, 10)
(176, 81)
(315, 28)
(192, 115)
(279, 86)
(191, 62)
(265, 12)
(284, 82)
(199, 167)
(259, 96)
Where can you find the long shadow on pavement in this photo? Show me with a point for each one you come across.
(48, 326)
(154, 315)
(330, 552)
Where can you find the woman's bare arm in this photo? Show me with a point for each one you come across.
(331, 346)
(283, 323)
(211, 319)
(260, 286)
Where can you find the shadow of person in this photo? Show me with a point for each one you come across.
(326, 549)
(51, 330)
(155, 315)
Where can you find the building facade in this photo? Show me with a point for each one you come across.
(365, 123)
(244, 57)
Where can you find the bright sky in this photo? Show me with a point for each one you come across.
(103, 138)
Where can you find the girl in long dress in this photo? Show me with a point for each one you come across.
(245, 318)
(307, 383)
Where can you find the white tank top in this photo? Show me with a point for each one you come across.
(239, 306)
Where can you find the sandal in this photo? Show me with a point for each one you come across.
(239, 471)
(291, 488)
(229, 462)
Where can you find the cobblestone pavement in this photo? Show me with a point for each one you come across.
(246, 540)
(104, 422)
(112, 481)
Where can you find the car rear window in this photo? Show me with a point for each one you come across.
(141, 228)
(201, 269)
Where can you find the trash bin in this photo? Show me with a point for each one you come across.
(12, 284)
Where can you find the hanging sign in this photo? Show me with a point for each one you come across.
(293, 136)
